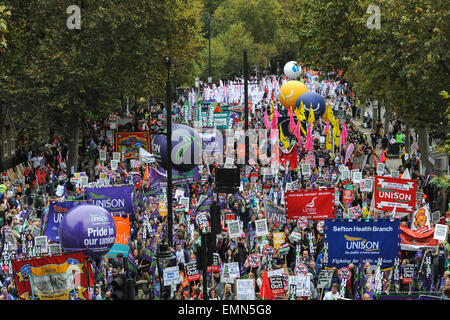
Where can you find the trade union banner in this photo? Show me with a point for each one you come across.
(129, 143)
(61, 277)
(314, 205)
(348, 241)
(113, 199)
(390, 193)
(54, 215)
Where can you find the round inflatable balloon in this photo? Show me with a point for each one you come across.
(318, 103)
(88, 227)
(290, 91)
(292, 70)
(186, 146)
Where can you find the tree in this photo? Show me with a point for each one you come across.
(61, 77)
(385, 64)
(4, 12)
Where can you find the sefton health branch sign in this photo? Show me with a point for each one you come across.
(349, 241)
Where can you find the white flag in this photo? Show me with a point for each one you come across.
(406, 174)
(145, 156)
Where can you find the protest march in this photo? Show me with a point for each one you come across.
(336, 218)
(224, 150)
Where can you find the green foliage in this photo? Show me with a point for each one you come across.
(51, 75)
(4, 13)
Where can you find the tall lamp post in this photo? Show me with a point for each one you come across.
(168, 62)
(163, 257)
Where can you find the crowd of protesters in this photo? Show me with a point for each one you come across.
(46, 177)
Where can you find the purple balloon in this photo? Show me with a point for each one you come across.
(88, 227)
(317, 101)
(186, 148)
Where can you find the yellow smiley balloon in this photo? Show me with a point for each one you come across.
(290, 91)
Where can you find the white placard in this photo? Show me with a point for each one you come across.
(102, 154)
(366, 185)
(116, 156)
(114, 165)
(54, 249)
(324, 280)
(440, 232)
(234, 229)
(356, 176)
(301, 285)
(230, 272)
(395, 174)
(42, 242)
(381, 167)
(306, 169)
(171, 275)
(245, 289)
(261, 227)
(346, 174)
(84, 181)
(185, 202)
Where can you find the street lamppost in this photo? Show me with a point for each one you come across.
(163, 258)
(168, 62)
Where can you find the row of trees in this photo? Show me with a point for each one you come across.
(54, 78)
(403, 64)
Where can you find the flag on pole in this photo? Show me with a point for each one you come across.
(265, 292)
(311, 117)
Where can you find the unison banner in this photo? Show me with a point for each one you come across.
(390, 193)
(54, 216)
(348, 241)
(61, 277)
(314, 205)
(129, 143)
(113, 199)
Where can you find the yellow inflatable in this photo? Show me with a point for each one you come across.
(289, 93)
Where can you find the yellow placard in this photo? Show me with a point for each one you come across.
(278, 239)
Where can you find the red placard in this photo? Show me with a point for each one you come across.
(396, 193)
(347, 196)
(316, 205)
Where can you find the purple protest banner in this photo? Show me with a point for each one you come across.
(54, 216)
(113, 199)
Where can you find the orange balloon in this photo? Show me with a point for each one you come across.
(290, 92)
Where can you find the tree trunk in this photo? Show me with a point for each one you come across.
(387, 116)
(408, 140)
(374, 115)
(73, 144)
(424, 148)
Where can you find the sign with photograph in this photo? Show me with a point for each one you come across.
(230, 272)
(234, 229)
(41, 241)
(440, 232)
(261, 227)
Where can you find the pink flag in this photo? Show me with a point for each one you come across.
(344, 134)
(327, 127)
(266, 120)
(309, 140)
(275, 119)
(348, 153)
(291, 122)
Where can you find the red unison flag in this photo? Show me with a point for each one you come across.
(396, 193)
(316, 205)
